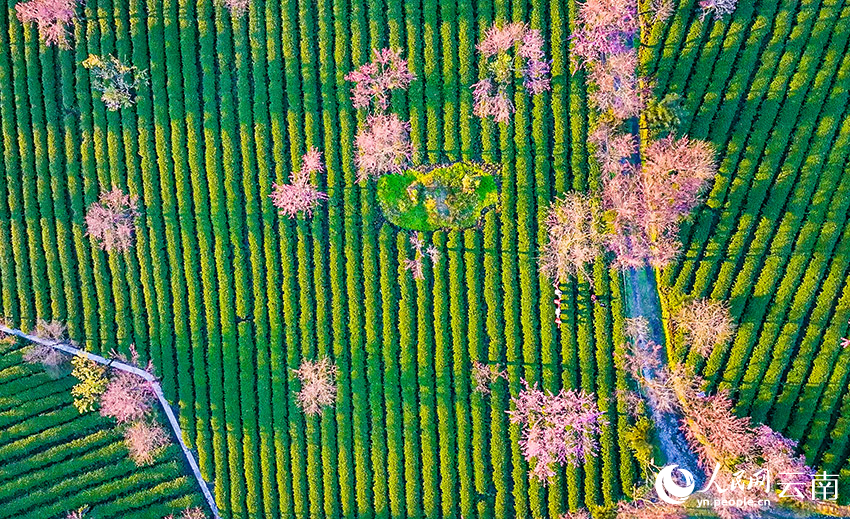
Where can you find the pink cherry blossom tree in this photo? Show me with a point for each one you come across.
(491, 100)
(111, 220)
(53, 18)
(383, 141)
(127, 398)
(190, 513)
(536, 76)
(605, 45)
(508, 49)
(682, 168)
(574, 225)
(47, 356)
(646, 509)
(79, 513)
(722, 438)
(605, 28)
(719, 8)
(383, 146)
(661, 10)
(614, 150)
(636, 328)
(501, 38)
(647, 204)
(556, 428)
(237, 8)
(645, 195)
(145, 439)
(485, 375)
(705, 323)
(300, 196)
(642, 360)
(616, 86)
(374, 81)
(318, 385)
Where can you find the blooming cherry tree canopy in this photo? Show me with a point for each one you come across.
(574, 225)
(383, 146)
(508, 49)
(111, 219)
(556, 428)
(318, 385)
(374, 81)
(300, 196)
(53, 18)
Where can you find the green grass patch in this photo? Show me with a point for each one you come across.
(452, 196)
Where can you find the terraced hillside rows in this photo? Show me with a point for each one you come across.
(770, 88)
(227, 298)
(56, 460)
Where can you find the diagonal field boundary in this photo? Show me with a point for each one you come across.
(122, 366)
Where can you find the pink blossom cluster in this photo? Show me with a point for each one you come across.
(47, 356)
(645, 509)
(383, 146)
(605, 44)
(144, 439)
(577, 514)
(617, 89)
(648, 202)
(300, 195)
(556, 428)
(189, 513)
(383, 142)
(415, 264)
(52, 17)
(236, 7)
(623, 197)
(110, 220)
(614, 151)
(79, 513)
(484, 375)
(605, 28)
(645, 201)
(682, 167)
(127, 398)
(491, 100)
(719, 8)
(574, 228)
(535, 73)
(661, 9)
(373, 81)
(498, 39)
(318, 385)
(719, 436)
(490, 95)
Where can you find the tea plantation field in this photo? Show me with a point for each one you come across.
(227, 297)
(770, 89)
(56, 460)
